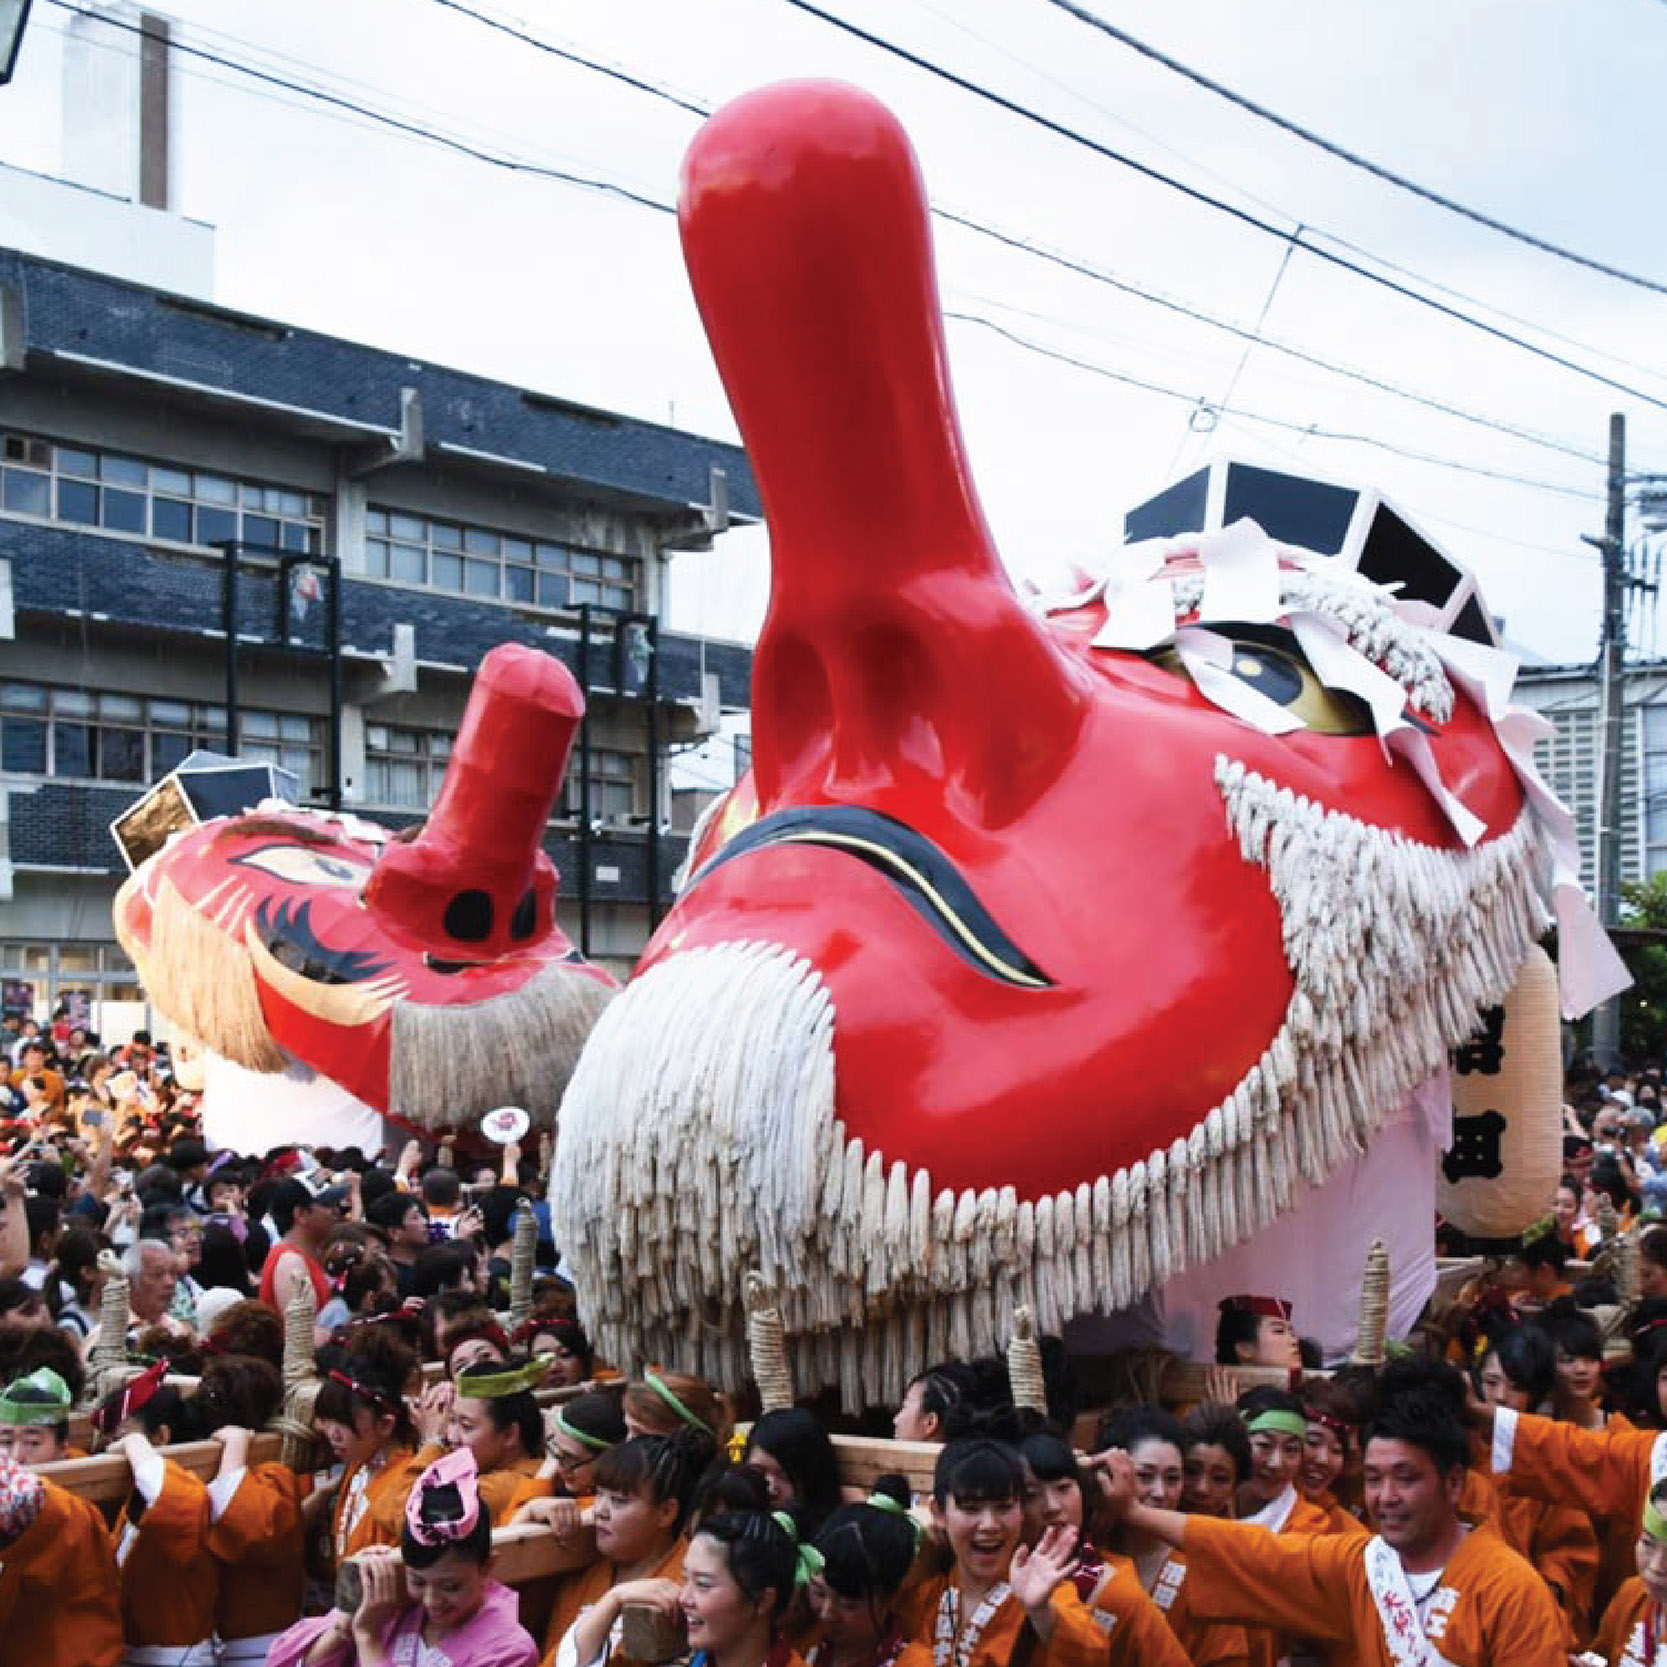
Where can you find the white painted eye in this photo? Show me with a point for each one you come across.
(306, 865)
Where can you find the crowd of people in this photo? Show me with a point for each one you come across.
(1494, 1492)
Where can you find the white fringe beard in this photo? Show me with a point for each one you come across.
(699, 1137)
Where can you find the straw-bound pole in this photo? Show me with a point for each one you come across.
(295, 1422)
(1024, 1364)
(766, 1347)
(1374, 1307)
(1605, 1217)
(108, 1361)
(1618, 1259)
(522, 1255)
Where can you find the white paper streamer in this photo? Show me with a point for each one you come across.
(1241, 574)
(1140, 605)
(1207, 658)
(1340, 666)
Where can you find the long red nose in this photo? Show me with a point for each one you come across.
(895, 648)
(475, 882)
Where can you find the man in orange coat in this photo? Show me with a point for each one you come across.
(1427, 1587)
(1606, 1473)
(257, 1544)
(60, 1595)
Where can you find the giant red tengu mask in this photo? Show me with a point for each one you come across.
(1023, 968)
(425, 975)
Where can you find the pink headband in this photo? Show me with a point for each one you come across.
(457, 1470)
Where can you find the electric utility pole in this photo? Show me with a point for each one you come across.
(1606, 1021)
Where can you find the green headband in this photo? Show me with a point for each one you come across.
(492, 1386)
(1276, 1421)
(585, 1439)
(672, 1400)
(1655, 1524)
(885, 1502)
(808, 1562)
(53, 1411)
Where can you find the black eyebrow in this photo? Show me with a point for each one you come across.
(923, 874)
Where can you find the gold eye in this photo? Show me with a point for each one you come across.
(1269, 661)
(305, 865)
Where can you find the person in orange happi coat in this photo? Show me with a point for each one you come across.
(60, 1592)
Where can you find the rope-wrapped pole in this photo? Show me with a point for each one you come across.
(295, 1422)
(1374, 1307)
(1605, 1217)
(108, 1361)
(1617, 1261)
(522, 1255)
(767, 1347)
(1024, 1364)
(1626, 1268)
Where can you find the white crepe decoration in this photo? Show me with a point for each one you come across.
(1140, 603)
(1360, 638)
(1241, 575)
(1208, 659)
(1340, 666)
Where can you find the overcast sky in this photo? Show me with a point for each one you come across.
(1547, 114)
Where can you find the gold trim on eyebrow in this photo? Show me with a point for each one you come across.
(940, 905)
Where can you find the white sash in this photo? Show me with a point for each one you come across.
(1658, 1461)
(1277, 1512)
(1403, 1632)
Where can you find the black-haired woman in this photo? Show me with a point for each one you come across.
(800, 1468)
(1000, 1600)
(866, 1553)
(645, 1489)
(1154, 1440)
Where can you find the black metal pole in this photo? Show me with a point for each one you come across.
(652, 630)
(228, 621)
(584, 783)
(333, 638)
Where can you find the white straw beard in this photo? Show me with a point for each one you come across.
(452, 1062)
(699, 1138)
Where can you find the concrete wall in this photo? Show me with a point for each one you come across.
(83, 226)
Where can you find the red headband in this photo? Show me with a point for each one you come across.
(134, 1395)
(1268, 1308)
(1338, 1427)
(488, 1331)
(363, 1390)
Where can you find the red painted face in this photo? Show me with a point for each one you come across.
(300, 933)
(1031, 973)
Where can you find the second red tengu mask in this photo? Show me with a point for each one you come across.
(426, 975)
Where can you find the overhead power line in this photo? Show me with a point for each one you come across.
(417, 131)
(338, 101)
(1195, 194)
(1083, 269)
(613, 72)
(1341, 152)
(1313, 430)
(1332, 367)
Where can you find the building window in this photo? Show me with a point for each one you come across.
(50, 481)
(89, 736)
(404, 767)
(91, 985)
(613, 785)
(476, 561)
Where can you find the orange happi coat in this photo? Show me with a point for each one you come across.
(1489, 1610)
(60, 1592)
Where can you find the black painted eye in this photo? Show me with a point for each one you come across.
(1268, 659)
(469, 916)
(525, 918)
